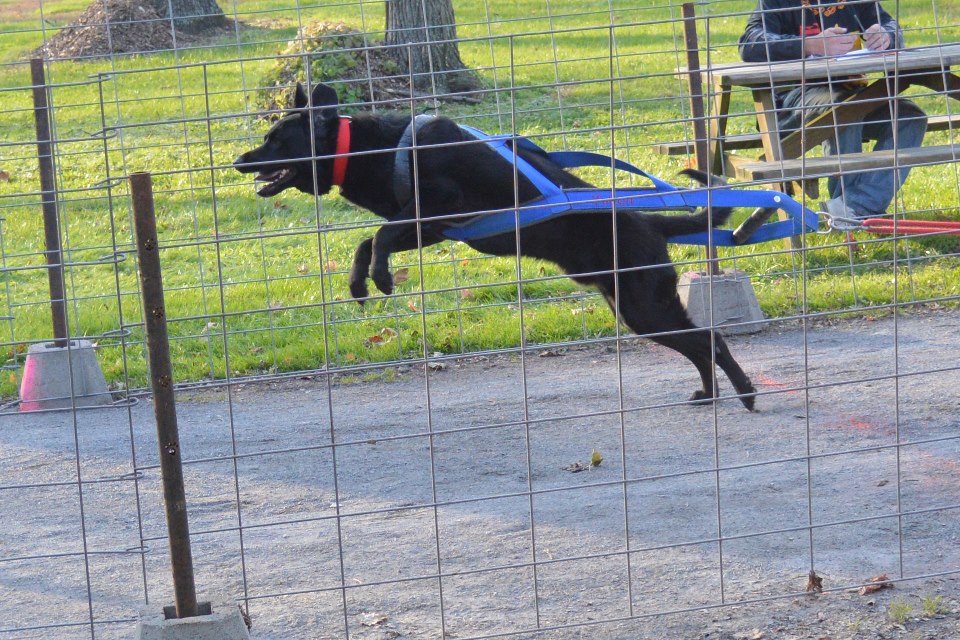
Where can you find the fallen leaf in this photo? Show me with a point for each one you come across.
(814, 583)
(576, 467)
(330, 266)
(412, 305)
(883, 483)
(4, 176)
(373, 620)
(595, 458)
(465, 262)
(874, 584)
(401, 275)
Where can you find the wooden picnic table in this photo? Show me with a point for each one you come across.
(889, 73)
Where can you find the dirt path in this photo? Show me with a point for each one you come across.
(491, 442)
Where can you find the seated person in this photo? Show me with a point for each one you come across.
(780, 30)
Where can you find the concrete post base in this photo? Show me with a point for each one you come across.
(735, 306)
(220, 622)
(47, 377)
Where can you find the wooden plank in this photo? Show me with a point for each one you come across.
(922, 60)
(740, 141)
(819, 167)
(730, 143)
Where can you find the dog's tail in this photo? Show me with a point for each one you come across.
(671, 226)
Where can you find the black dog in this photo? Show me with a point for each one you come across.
(449, 178)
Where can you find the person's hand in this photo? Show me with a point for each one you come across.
(876, 38)
(831, 42)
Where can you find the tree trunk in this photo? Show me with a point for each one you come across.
(424, 36)
(191, 16)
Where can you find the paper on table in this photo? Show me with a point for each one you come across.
(857, 52)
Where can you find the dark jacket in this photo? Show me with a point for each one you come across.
(775, 29)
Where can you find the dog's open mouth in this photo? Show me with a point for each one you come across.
(277, 181)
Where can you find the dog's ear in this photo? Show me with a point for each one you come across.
(324, 96)
(324, 100)
(300, 97)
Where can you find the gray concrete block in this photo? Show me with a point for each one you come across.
(47, 375)
(221, 621)
(735, 305)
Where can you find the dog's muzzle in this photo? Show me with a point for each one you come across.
(276, 179)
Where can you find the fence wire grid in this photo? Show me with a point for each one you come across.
(486, 452)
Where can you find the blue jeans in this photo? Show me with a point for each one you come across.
(866, 192)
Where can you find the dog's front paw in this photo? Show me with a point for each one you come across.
(359, 291)
(384, 282)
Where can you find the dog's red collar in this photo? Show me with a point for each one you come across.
(343, 148)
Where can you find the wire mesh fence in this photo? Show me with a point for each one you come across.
(486, 452)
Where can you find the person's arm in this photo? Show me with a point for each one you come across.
(767, 38)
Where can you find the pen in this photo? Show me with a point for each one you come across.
(862, 31)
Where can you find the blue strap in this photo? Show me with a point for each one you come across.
(663, 196)
(672, 199)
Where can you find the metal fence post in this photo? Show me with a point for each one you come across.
(704, 161)
(48, 190)
(164, 406)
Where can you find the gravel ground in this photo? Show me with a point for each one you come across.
(479, 470)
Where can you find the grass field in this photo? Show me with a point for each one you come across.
(257, 286)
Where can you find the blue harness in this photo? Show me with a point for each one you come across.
(662, 196)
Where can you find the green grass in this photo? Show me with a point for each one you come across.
(259, 286)
(899, 611)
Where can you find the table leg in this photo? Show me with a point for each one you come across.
(772, 151)
(718, 127)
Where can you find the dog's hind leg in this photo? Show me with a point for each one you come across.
(696, 347)
(650, 306)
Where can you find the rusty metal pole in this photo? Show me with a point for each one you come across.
(48, 194)
(696, 106)
(164, 406)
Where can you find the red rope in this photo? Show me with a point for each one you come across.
(888, 225)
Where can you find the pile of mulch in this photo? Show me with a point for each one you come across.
(359, 71)
(109, 27)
